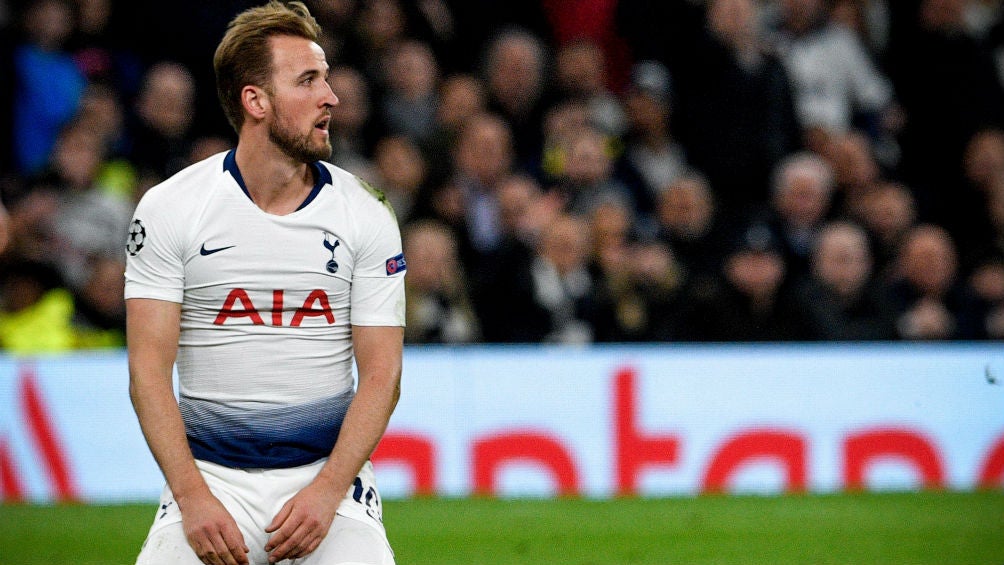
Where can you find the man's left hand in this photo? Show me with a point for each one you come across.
(302, 523)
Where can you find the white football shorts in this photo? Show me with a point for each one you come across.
(254, 496)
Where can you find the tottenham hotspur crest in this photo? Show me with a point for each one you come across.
(330, 243)
(137, 237)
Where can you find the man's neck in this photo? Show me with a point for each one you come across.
(276, 183)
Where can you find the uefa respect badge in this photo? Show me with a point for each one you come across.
(396, 264)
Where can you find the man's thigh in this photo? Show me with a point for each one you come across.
(167, 545)
(350, 542)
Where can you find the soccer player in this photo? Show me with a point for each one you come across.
(263, 273)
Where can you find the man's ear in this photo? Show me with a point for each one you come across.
(256, 101)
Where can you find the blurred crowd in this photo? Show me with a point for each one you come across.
(564, 171)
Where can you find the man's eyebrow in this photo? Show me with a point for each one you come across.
(313, 73)
(309, 73)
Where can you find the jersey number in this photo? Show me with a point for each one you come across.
(367, 496)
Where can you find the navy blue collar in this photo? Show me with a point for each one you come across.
(322, 177)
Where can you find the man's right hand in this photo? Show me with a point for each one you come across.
(212, 532)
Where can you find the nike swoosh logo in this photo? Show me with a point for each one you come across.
(205, 251)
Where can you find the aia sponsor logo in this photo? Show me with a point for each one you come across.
(239, 305)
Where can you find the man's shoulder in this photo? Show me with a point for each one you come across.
(190, 182)
(358, 190)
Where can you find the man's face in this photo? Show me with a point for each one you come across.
(842, 260)
(301, 99)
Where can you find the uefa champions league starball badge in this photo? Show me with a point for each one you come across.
(137, 237)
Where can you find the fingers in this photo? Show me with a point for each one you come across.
(235, 545)
(284, 513)
(299, 527)
(223, 553)
(222, 546)
(294, 540)
(217, 552)
(285, 543)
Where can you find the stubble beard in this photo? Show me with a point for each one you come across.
(297, 146)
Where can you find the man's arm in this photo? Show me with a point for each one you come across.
(152, 330)
(302, 523)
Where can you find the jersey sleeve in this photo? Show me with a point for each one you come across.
(378, 279)
(154, 258)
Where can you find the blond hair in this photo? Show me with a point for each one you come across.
(244, 56)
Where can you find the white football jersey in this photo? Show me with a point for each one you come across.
(267, 304)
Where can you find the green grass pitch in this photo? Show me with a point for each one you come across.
(894, 528)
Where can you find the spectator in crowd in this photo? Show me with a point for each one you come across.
(801, 199)
(101, 112)
(439, 309)
(87, 222)
(753, 301)
(689, 224)
(516, 79)
(161, 131)
(856, 171)
(735, 113)
(525, 209)
(550, 298)
(409, 103)
(524, 212)
(588, 177)
(840, 296)
(983, 160)
(460, 97)
(562, 122)
(610, 265)
(969, 216)
(581, 74)
(641, 284)
(653, 159)
(29, 218)
(35, 310)
(401, 173)
(931, 301)
(888, 213)
(483, 158)
(835, 81)
(610, 226)
(987, 283)
(350, 118)
(48, 83)
(379, 26)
